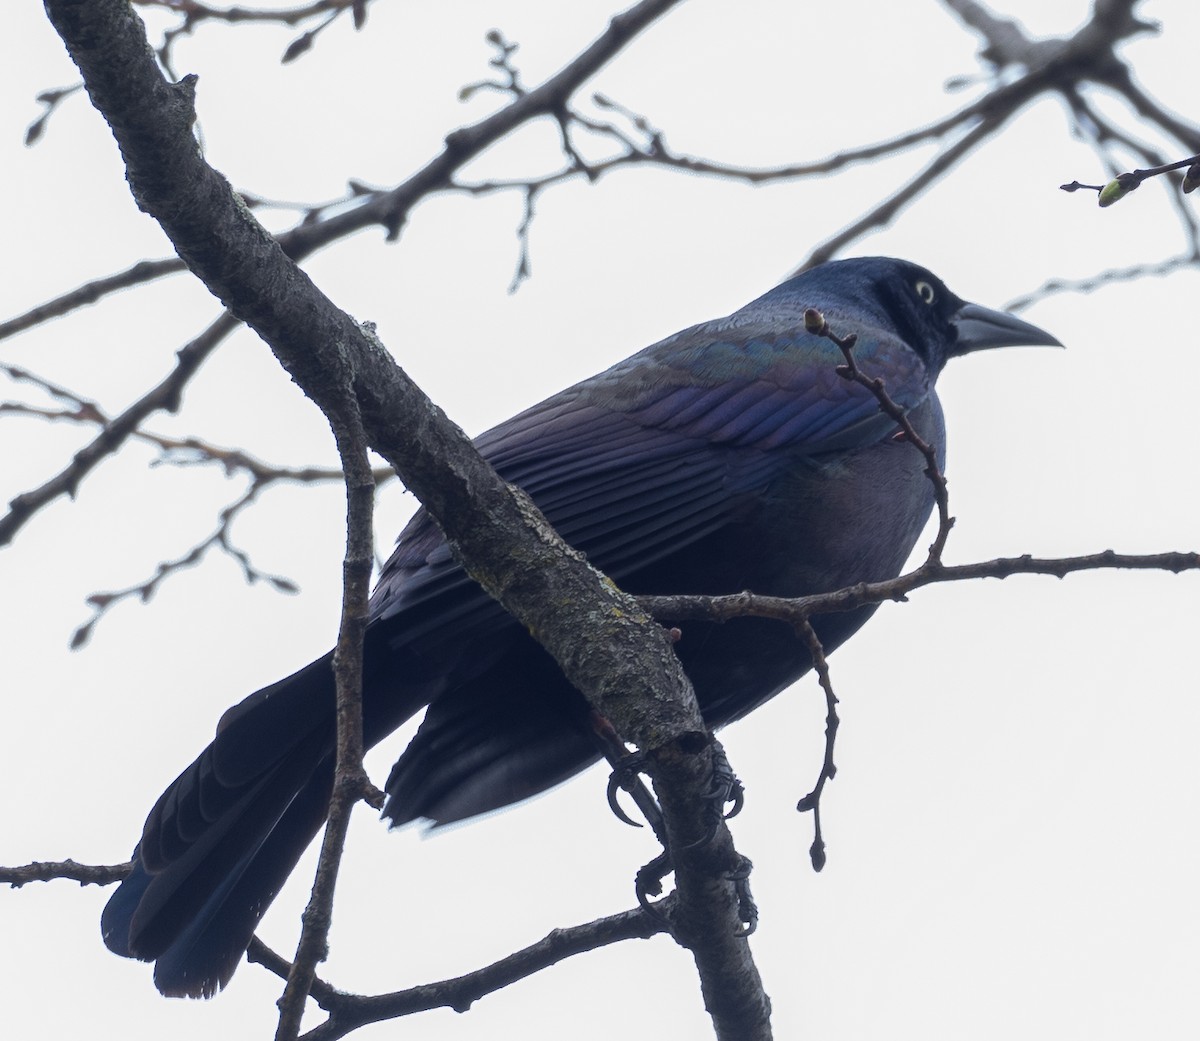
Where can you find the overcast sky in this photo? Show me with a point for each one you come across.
(1013, 839)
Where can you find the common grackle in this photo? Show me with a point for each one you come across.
(729, 456)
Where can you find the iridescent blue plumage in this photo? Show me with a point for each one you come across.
(728, 456)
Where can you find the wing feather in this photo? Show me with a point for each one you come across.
(660, 451)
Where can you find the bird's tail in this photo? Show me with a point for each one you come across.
(223, 838)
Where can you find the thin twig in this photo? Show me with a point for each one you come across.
(1107, 277)
(812, 801)
(350, 781)
(814, 322)
(795, 611)
(143, 272)
(165, 396)
(103, 602)
(389, 209)
(50, 870)
(348, 1012)
(883, 213)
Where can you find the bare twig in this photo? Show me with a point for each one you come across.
(350, 781)
(797, 610)
(812, 801)
(1187, 133)
(50, 870)
(195, 11)
(389, 209)
(164, 396)
(50, 100)
(188, 451)
(885, 212)
(351, 1011)
(348, 1012)
(174, 451)
(523, 270)
(142, 272)
(815, 323)
(1054, 65)
(1110, 276)
(103, 602)
(1104, 135)
(510, 81)
(1131, 180)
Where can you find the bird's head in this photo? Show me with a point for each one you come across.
(930, 318)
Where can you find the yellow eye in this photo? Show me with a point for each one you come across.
(925, 291)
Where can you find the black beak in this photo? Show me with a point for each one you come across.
(980, 327)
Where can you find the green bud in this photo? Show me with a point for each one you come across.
(814, 321)
(1112, 192)
(1118, 188)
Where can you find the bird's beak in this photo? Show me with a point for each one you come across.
(981, 327)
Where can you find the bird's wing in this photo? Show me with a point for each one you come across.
(664, 448)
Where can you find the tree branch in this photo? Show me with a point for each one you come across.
(609, 650)
(165, 396)
(49, 870)
(796, 611)
(350, 781)
(348, 1012)
(386, 208)
(141, 273)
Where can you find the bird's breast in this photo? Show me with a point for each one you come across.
(825, 523)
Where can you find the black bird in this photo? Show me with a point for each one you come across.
(729, 456)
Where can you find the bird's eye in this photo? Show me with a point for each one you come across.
(925, 291)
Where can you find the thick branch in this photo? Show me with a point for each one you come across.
(316, 342)
(608, 648)
(388, 209)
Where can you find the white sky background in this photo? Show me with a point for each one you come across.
(1013, 837)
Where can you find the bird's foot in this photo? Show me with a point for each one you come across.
(626, 776)
(724, 790)
(649, 882)
(747, 908)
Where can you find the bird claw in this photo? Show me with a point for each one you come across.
(747, 908)
(648, 883)
(623, 777)
(724, 787)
